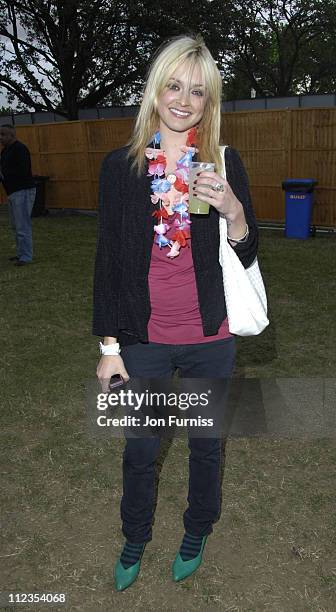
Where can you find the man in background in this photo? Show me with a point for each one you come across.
(17, 179)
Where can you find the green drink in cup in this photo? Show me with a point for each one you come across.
(197, 206)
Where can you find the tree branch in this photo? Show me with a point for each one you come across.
(21, 93)
(21, 62)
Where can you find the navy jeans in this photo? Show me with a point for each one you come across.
(205, 360)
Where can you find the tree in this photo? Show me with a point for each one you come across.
(6, 110)
(316, 71)
(71, 54)
(271, 46)
(65, 55)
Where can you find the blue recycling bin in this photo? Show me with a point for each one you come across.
(299, 196)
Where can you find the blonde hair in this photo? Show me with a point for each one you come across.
(169, 56)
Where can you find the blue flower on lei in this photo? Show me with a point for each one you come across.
(185, 160)
(160, 185)
(182, 208)
(162, 241)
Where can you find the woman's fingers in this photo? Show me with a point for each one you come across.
(108, 366)
(205, 182)
(123, 372)
(104, 382)
(205, 179)
(210, 175)
(205, 198)
(223, 201)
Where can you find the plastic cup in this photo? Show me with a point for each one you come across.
(197, 206)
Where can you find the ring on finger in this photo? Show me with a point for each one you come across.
(218, 187)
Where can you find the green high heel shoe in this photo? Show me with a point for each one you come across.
(123, 578)
(182, 569)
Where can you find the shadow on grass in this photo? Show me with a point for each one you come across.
(262, 352)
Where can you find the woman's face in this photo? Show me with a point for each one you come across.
(181, 104)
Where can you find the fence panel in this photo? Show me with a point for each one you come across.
(103, 136)
(273, 144)
(314, 156)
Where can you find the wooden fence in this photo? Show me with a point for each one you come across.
(274, 145)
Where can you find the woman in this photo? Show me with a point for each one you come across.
(158, 291)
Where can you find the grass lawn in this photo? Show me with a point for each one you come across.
(273, 549)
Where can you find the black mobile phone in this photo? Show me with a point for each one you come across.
(116, 381)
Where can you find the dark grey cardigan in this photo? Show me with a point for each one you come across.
(121, 303)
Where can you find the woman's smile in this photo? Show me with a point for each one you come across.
(179, 113)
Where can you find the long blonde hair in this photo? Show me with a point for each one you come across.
(169, 56)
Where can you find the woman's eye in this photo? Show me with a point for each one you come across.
(173, 86)
(198, 92)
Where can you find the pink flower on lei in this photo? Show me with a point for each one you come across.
(175, 250)
(157, 166)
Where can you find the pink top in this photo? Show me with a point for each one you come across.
(175, 316)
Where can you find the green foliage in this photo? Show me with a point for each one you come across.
(281, 48)
(6, 110)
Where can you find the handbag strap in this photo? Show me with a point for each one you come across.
(222, 220)
(222, 151)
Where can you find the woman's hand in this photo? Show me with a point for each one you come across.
(224, 201)
(107, 367)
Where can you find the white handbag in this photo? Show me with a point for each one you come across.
(245, 295)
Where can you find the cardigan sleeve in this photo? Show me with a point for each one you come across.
(239, 183)
(108, 266)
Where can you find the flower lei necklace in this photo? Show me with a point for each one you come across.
(171, 193)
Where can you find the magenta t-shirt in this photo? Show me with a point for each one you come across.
(175, 316)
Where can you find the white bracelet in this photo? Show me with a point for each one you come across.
(109, 349)
(243, 238)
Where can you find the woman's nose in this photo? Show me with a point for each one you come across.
(184, 97)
